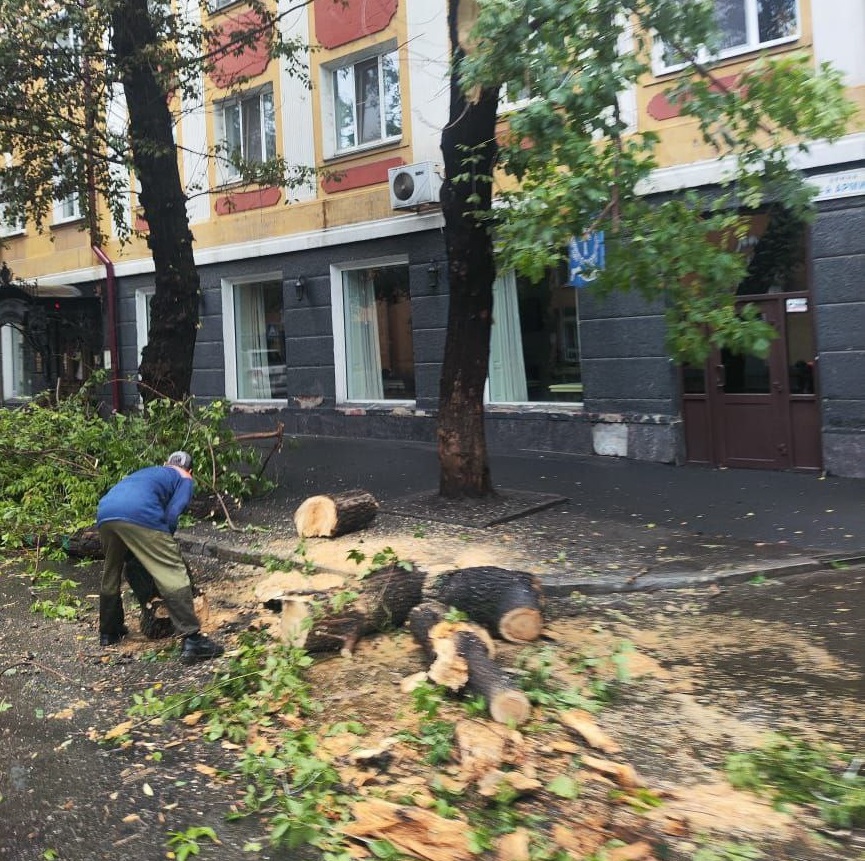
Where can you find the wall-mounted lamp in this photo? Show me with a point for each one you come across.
(432, 274)
(299, 288)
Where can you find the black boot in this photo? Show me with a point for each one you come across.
(111, 627)
(199, 647)
(113, 639)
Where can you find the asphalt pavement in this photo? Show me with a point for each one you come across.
(723, 524)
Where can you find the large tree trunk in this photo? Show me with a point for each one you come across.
(468, 146)
(166, 365)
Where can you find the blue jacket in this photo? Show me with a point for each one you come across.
(154, 497)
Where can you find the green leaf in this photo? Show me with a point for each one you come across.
(564, 787)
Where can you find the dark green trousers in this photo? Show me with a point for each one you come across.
(159, 554)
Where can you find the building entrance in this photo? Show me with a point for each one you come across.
(743, 411)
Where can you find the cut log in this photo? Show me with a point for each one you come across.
(384, 604)
(335, 514)
(507, 603)
(462, 659)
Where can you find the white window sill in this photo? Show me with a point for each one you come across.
(728, 54)
(63, 222)
(536, 407)
(386, 143)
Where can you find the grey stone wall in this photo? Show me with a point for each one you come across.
(838, 251)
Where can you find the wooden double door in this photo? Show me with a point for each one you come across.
(743, 411)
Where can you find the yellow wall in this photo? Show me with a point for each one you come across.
(35, 254)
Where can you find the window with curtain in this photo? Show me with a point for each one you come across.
(18, 363)
(366, 101)
(379, 349)
(534, 343)
(259, 341)
(248, 130)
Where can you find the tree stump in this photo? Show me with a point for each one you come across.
(335, 514)
(507, 603)
(461, 656)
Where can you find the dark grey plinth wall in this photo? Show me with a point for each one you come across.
(627, 373)
(838, 250)
(630, 383)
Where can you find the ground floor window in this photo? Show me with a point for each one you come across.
(535, 343)
(18, 360)
(259, 341)
(376, 323)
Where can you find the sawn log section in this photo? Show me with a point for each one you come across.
(507, 603)
(335, 514)
(461, 657)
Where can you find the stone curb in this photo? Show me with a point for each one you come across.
(563, 585)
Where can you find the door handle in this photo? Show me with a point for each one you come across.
(720, 376)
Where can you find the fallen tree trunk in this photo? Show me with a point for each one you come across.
(320, 622)
(335, 514)
(507, 603)
(461, 658)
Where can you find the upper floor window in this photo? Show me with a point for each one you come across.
(367, 107)
(9, 225)
(745, 25)
(248, 131)
(67, 208)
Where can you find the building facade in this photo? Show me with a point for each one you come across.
(325, 305)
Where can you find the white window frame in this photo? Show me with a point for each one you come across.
(8, 229)
(228, 172)
(142, 317)
(8, 344)
(229, 331)
(330, 138)
(752, 43)
(337, 307)
(73, 202)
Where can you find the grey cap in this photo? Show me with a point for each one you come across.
(183, 459)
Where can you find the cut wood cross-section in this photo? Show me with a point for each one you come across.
(462, 658)
(507, 603)
(328, 516)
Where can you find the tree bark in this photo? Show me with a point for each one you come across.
(507, 603)
(328, 516)
(388, 596)
(461, 657)
(469, 147)
(166, 364)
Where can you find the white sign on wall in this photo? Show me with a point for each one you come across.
(848, 183)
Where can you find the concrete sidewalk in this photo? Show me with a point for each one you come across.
(613, 525)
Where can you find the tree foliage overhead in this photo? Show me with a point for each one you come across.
(583, 165)
(64, 124)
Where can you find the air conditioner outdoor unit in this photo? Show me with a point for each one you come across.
(413, 184)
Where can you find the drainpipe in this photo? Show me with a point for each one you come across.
(113, 351)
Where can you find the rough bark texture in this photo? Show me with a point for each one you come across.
(509, 604)
(166, 365)
(462, 658)
(387, 598)
(328, 516)
(469, 134)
